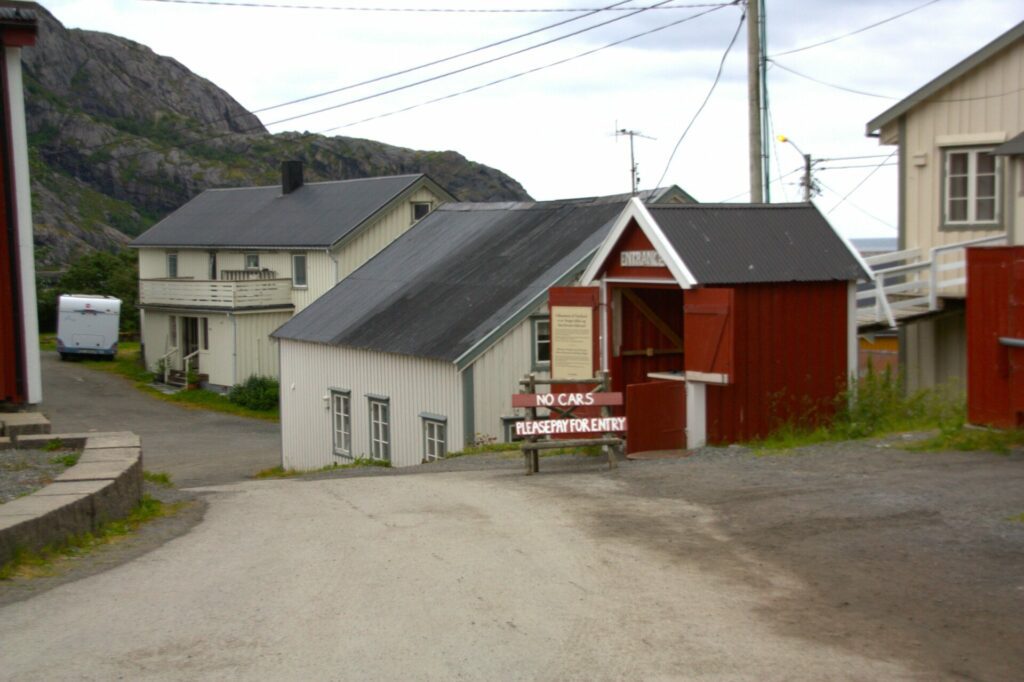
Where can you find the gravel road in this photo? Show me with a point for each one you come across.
(850, 562)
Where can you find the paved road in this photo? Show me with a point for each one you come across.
(194, 446)
(461, 575)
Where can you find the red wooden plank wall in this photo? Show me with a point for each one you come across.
(995, 308)
(791, 359)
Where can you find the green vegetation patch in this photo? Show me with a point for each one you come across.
(160, 478)
(68, 460)
(26, 564)
(970, 438)
(256, 393)
(359, 463)
(875, 407)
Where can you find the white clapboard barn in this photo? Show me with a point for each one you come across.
(418, 352)
(218, 275)
(960, 149)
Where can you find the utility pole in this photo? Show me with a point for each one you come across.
(754, 101)
(807, 181)
(634, 175)
(766, 142)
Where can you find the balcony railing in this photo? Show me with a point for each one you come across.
(203, 293)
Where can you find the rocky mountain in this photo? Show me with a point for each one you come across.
(120, 136)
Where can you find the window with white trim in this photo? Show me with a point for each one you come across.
(341, 414)
(380, 429)
(435, 439)
(971, 187)
(299, 270)
(252, 261)
(541, 335)
(508, 427)
(172, 265)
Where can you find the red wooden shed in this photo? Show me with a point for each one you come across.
(719, 322)
(995, 336)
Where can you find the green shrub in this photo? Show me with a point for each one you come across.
(257, 393)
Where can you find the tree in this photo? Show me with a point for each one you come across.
(101, 273)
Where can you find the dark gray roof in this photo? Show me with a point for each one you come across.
(1012, 147)
(457, 277)
(745, 243)
(316, 215)
(945, 78)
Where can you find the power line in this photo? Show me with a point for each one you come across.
(633, 12)
(377, 79)
(524, 73)
(711, 90)
(467, 68)
(428, 10)
(746, 192)
(850, 158)
(859, 165)
(859, 184)
(860, 208)
(831, 85)
(852, 33)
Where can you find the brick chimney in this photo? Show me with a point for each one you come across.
(291, 176)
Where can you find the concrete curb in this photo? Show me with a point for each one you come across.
(104, 485)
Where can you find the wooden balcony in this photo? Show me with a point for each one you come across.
(216, 294)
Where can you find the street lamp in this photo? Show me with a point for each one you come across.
(808, 187)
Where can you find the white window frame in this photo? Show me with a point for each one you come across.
(255, 257)
(380, 428)
(415, 204)
(508, 428)
(172, 265)
(435, 437)
(305, 271)
(212, 265)
(341, 407)
(972, 188)
(536, 344)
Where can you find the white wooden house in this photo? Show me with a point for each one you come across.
(959, 150)
(418, 352)
(218, 275)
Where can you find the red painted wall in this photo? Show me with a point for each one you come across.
(790, 359)
(995, 308)
(633, 239)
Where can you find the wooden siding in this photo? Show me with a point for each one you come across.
(223, 294)
(496, 376)
(936, 352)
(256, 353)
(387, 228)
(413, 385)
(972, 106)
(217, 362)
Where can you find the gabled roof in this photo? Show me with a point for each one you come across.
(316, 215)
(449, 286)
(946, 78)
(705, 244)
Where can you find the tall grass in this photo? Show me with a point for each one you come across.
(876, 405)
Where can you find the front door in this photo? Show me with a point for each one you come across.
(649, 334)
(189, 335)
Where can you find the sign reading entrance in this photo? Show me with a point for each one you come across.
(550, 427)
(572, 341)
(641, 259)
(565, 399)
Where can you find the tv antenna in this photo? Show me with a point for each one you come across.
(634, 175)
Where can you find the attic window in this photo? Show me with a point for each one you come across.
(420, 209)
(252, 261)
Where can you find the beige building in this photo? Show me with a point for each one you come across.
(221, 273)
(960, 184)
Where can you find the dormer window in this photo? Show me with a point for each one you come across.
(420, 209)
(252, 261)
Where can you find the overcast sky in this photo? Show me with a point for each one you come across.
(552, 130)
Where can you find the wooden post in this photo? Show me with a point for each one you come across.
(607, 412)
(530, 455)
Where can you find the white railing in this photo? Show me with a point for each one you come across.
(215, 293)
(910, 285)
(165, 362)
(187, 361)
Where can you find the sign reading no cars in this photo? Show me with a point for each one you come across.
(551, 427)
(565, 400)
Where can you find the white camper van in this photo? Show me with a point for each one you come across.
(87, 325)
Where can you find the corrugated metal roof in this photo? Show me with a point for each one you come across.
(315, 215)
(1013, 147)
(462, 272)
(745, 243)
